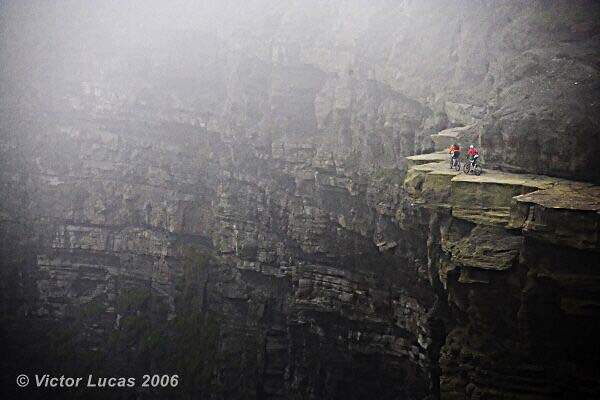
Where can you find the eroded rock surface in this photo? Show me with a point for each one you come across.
(262, 201)
(509, 285)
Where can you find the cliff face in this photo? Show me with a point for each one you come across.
(247, 201)
(521, 306)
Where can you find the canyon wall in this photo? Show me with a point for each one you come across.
(240, 204)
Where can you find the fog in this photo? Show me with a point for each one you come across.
(300, 199)
(63, 39)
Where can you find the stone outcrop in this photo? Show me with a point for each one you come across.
(260, 207)
(509, 264)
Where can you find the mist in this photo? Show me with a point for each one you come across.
(299, 199)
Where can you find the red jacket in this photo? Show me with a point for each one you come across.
(472, 151)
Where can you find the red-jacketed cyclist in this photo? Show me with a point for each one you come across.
(473, 154)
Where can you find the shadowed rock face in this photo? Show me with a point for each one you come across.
(236, 205)
(516, 276)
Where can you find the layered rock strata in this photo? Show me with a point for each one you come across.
(510, 260)
(253, 200)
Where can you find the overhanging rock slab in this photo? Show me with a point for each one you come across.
(486, 199)
(566, 214)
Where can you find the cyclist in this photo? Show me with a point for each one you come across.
(473, 154)
(454, 152)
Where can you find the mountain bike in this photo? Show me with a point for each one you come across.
(455, 163)
(472, 166)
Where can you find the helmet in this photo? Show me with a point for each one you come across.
(471, 146)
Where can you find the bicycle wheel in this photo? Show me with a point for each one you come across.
(467, 167)
(457, 165)
(477, 169)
